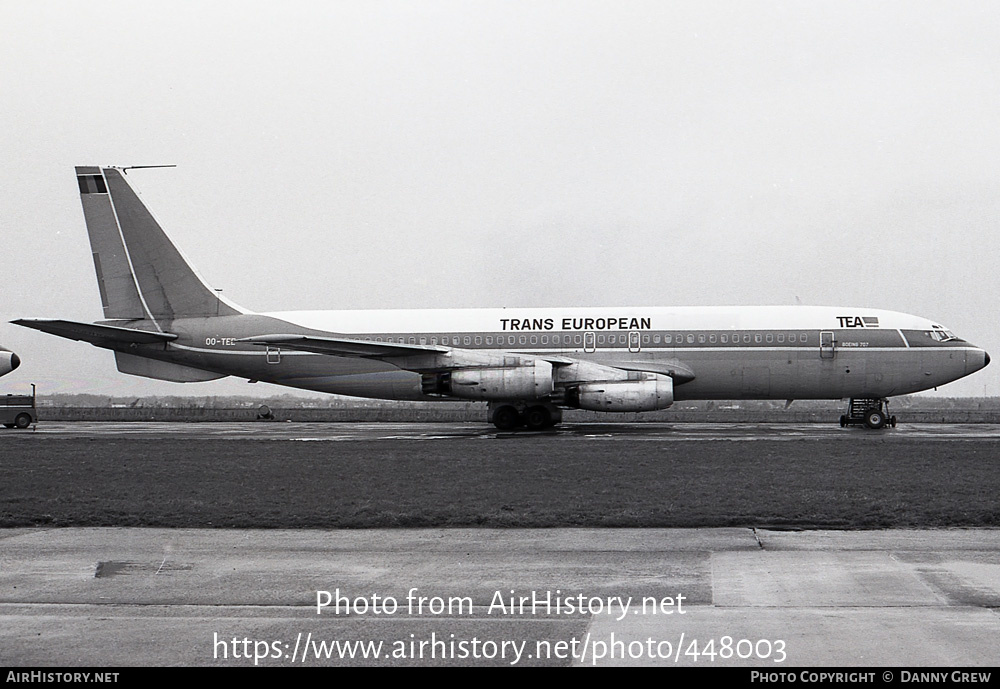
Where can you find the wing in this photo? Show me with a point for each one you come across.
(676, 369)
(427, 358)
(342, 346)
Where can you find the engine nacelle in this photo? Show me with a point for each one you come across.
(655, 391)
(530, 380)
(8, 361)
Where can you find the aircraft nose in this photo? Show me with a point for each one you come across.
(977, 359)
(15, 361)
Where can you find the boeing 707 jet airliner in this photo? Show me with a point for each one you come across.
(162, 321)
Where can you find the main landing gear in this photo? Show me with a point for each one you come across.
(870, 411)
(507, 416)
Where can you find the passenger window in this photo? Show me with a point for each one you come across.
(711, 338)
(578, 339)
(724, 338)
(701, 339)
(423, 340)
(690, 339)
(667, 339)
(746, 338)
(769, 337)
(489, 339)
(756, 337)
(656, 339)
(479, 339)
(534, 339)
(545, 339)
(645, 339)
(511, 340)
(600, 339)
(413, 340)
(468, 340)
(523, 339)
(781, 337)
(803, 337)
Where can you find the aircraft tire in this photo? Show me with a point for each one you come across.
(505, 417)
(537, 418)
(875, 419)
(22, 420)
(843, 421)
(892, 421)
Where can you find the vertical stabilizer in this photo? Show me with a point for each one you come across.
(140, 272)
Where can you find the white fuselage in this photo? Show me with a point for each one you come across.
(762, 352)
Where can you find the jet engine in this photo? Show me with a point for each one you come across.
(531, 379)
(8, 361)
(653, 392)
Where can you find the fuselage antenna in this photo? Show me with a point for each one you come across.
(138, 167)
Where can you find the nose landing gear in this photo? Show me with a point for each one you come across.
(870, 411)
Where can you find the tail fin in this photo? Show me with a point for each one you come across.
(140, 273)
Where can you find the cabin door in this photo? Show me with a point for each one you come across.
(827, 345)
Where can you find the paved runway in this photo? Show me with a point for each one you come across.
(118, 597)
(659, 432)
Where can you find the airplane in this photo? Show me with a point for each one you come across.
(8, 361)
(163, 321)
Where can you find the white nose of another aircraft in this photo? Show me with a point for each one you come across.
(8, 362)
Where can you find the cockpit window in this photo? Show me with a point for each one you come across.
(941, 335)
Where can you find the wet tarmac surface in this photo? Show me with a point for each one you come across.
(659, 432)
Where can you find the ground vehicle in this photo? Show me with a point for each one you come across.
(18, 411)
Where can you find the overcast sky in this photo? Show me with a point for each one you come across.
(367, 155)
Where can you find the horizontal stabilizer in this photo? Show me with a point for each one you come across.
(336, 346)
(100, 335)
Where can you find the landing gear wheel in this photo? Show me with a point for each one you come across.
(892, 421)
(875, 419)
(505, 418)
(843, 421)
(537, 418)
(22, 420)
